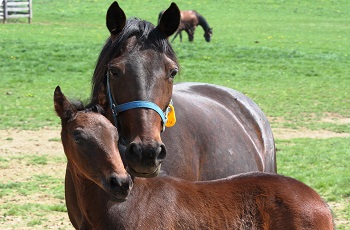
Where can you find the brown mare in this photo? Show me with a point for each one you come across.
(190, 19)
(108, 198)
(219, 131)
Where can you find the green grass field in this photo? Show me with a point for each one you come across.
(291, 57)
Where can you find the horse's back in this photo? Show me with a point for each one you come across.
(276, 202)
(242, 108)
(253, 201)
(188, 15)
(282, 202)
(245, 201)
(220, 130)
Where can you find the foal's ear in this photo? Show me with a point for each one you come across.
(115, 19)
(170, 20)
(64, 109)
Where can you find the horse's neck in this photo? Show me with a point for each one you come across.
(91, 199)
(183, 202)
(202, 22)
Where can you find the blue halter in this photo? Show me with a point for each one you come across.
(116, 109)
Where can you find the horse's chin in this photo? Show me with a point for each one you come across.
(121, 196)
(117, 199)
(135, 173)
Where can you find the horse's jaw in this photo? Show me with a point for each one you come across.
(117, 199)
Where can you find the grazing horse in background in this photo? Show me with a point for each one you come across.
(109, 199)
(190, 19)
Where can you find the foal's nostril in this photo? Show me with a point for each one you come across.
(114, 182)
(119, 182)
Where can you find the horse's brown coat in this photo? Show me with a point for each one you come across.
(219, 131)
(102, 187)
(190, 19)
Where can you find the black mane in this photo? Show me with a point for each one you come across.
(79, 106)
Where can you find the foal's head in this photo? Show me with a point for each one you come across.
(90, 144)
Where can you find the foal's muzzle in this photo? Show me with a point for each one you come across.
(120, 186)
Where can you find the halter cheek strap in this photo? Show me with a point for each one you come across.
(116, 109)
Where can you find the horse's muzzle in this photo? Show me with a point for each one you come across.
(145, 160)
(119, 187)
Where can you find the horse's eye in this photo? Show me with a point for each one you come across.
(114, 70)
(114, 73)
(173, 72)
(78, 136)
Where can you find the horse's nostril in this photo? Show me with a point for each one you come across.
(123, 182)
(145, 158)
(162, 153)
(120, 186)
(134, 150)
(114, 182)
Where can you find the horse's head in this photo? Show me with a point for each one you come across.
(89, 141)
(208, 33)
(137, 66)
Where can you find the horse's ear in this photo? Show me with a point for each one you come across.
(98, 109)
(102, 97)
(170, 20)
(115, 19)
(64, 109)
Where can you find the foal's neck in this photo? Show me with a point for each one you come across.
(91, 198)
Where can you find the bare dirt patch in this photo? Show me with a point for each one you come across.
(15, 141)
(338, 207)
(16, 144)
(335, 119)
(283, 133)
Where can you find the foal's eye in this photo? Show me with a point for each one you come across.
(78, 136)
(173, 72)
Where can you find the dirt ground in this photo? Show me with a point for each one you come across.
(28, 141)
(18, 142)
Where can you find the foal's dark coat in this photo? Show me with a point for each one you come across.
(247, 201)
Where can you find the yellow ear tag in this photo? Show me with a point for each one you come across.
(171, 117)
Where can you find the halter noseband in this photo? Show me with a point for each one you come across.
(116, 109)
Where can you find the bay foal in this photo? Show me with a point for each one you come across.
(109, 199)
